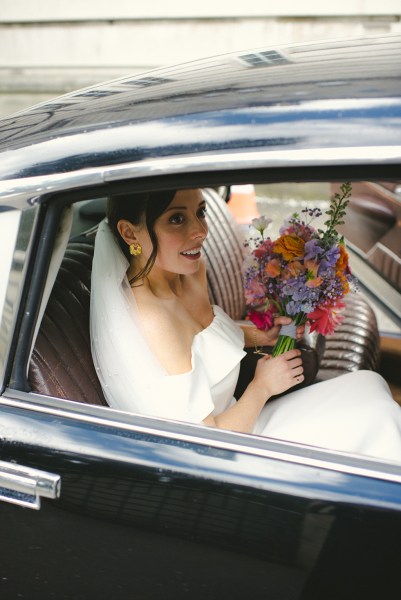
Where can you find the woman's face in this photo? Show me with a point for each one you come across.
(181, 230)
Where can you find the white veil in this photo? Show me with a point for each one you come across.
(131, 377)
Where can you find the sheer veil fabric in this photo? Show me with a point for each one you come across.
(131, 377)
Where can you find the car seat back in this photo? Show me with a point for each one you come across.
(61, 363)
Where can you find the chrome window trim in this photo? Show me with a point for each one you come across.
(9, 227)
(315, 157)
(289, 452)
(19, 192)
(21, 256)
(27, 191)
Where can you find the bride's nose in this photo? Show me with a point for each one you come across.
(199, 231)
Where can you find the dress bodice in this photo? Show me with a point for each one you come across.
(219, 348)
(209, 386)
(133, 379)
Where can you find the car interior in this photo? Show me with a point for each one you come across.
(61, 363)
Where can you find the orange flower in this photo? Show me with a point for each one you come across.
(273, 268)
(290, 246)
(344, 281)
(313, 280)
(342, 261)
(293, 269)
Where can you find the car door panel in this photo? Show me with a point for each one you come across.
(141, 510)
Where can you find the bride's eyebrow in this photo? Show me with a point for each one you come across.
(203, 203)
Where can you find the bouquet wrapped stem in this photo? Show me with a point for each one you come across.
(287, 338)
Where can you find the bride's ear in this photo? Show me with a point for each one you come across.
(127, 231)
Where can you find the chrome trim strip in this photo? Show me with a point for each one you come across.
(300, 454)
(261, 158)
(10, 190)
(26, 191)
(26, 486)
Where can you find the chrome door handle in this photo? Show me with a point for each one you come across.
(25, 486)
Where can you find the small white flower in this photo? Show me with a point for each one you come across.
(250, 263)
(261, 223)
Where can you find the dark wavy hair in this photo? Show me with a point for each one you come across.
(145, 207)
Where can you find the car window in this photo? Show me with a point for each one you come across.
(9, 222)
(69, 372)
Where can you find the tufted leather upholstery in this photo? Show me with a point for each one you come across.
(355, 343)
(224, 252)
(61, 363)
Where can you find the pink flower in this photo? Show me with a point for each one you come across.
(263, 320)
(325, 318)
(264, 249)
(255, 292)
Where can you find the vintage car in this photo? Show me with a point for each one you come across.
(98, 503)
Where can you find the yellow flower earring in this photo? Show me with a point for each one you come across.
(135, 249)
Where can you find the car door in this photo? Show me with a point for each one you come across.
(134, 505)
(95, 503)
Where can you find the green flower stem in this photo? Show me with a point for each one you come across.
(284, 343)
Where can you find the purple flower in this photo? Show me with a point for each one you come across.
(312, 250)
(293, 308)
(329, 259)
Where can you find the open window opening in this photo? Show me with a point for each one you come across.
(61, 363)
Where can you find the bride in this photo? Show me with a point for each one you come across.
(161, 349)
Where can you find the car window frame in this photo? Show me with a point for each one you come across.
(9, 225)
(18, 391)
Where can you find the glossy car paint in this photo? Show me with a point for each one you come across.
(158, 507)
(150, 508)
(326, 97)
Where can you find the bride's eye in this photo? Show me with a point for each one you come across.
(176, 219)
(202, 212)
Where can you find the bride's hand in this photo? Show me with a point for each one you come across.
(269, 338)
(276, 375)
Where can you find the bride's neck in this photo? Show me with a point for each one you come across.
(165, 285)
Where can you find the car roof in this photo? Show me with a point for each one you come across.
(333, 94)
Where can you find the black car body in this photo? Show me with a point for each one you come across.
(136, 507)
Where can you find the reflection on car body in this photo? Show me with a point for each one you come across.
(143, 506)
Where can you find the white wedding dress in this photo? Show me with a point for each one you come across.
(353, 412)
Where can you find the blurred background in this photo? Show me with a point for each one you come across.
(49, 47)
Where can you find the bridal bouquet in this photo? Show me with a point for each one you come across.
(303, 274)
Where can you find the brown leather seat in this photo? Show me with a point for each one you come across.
(355, 344)
(61, 363)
